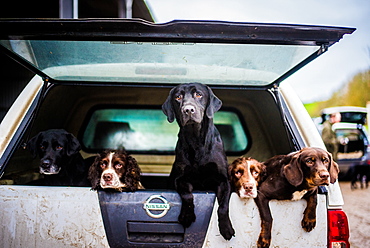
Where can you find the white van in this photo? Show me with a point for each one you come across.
(92, 73)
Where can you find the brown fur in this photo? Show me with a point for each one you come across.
(302, 171)
(245, 174)
(115, 169)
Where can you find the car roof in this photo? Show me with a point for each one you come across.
(332, 110)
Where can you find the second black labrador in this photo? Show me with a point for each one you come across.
(200, 161)
(60, 160)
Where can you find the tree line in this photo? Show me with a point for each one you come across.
(354, 93)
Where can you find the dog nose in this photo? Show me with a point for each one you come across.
(107, 177)
(324, 175)
(188, 109)
(45, 163)
(248, 186)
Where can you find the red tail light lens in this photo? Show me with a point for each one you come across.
(338, 233)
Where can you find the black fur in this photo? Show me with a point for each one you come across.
(200, 161)
(60, 160)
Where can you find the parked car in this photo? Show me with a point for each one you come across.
(352, 137)
(100, 78)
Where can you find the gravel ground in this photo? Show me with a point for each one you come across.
(357, 208)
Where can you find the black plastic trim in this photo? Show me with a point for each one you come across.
(127, 223)
(174, 31)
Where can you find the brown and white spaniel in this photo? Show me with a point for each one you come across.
(115, 169)
(245, 173)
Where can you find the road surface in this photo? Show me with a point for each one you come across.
(357, 208)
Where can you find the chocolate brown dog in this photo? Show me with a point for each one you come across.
(293, 177)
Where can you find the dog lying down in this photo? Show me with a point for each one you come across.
(293, 177)
(60, 160)
(115, 169)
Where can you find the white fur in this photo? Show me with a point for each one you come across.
(298, 195)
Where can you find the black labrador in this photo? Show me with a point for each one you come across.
(200, 161)
(60, 160)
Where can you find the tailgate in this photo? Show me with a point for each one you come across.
(149, 219)
(286, 228)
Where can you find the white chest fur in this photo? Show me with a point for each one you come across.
(298, 195)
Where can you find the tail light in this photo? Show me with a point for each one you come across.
(338, 233)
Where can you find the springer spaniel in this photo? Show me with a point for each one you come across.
(115, 169)
(245, 174)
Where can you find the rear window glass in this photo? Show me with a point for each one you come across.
(352, 143)
(350, 117)
(165, 62)
(148, 131)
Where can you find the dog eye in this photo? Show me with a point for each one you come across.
(42, 147)
(325, 161)
(58, 148)
(118, 166)
(238, 173)
(103, 165)
(198, 95)
(310, 161)
(178, 97)
(255, 173)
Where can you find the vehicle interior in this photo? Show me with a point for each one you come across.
(352, 143)
(128, 116)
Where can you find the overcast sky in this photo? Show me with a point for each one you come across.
(319, 79)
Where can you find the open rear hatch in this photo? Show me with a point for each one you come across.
(116, 51)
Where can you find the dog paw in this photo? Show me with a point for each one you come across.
(263, 242)
(226, 230)
(186, 218)
(308, 225)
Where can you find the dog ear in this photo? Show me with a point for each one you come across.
(333, 169)
(167, 108)
(73, 146)
(214, 104)
(93, 174)
(32, 144)
(132, 175)
(263, 172)
(292, 171)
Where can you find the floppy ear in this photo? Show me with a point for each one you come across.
(93, 174)
(262, 175)
(132, 175)
(293, 172)
(167, 108)
(32, 144)
(333, 169)
(73, 146)
(214, 104)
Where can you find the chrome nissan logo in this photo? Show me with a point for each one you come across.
(156, 206)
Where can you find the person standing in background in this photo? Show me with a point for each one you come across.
(328, 134)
